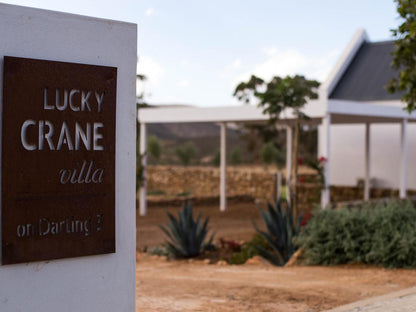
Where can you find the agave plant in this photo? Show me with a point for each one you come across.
(280, 231)
(186, 236)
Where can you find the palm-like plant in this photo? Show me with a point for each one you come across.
(186, 236)
(280, 231)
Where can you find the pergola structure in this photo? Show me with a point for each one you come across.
(325, 111)
(321, 113)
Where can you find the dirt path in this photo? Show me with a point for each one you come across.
(196, 286)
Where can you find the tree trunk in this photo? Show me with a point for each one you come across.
(294, 171)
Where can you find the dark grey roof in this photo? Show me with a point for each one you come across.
(368, 74)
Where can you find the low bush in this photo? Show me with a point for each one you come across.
(249, 250)
(382, 234)
(158, 251)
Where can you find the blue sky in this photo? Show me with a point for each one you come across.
(195, 52)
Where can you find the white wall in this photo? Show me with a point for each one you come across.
(347, 154)
(95, 283)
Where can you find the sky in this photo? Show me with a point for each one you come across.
(196, 52)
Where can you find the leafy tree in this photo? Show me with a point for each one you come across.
(245, 91)
(405, 54)
(289, 92)
(280, 159)
(235, 156)
(153, 147)
(140, 98)
(279, 94)
(185, 153)
(268, 153)
(257, 135)
(139, 168)
(216, 160)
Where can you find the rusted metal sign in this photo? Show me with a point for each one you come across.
(58, 160)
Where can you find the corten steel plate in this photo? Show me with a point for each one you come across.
(58, 160)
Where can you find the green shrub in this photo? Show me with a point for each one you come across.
(235, 156)
(186, 236)
(185, 153)
(268, 153)
(158, 250)
(153, 147)
(249, 250)
(384, 234)
(279, 234)
(156, 192)
(216, 159)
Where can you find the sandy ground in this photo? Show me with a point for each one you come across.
(234, 223)
(196, 286)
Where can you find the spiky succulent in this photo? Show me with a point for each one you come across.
(186, 236)
(279, 233)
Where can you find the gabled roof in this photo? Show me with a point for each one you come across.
(367, 74)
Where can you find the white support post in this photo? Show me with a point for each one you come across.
(289, 141)
(143, 153)
(223, 168)
(403, 160)
(325, 196)
(367, 162)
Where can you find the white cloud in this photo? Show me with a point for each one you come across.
(183, 83)
(151, 69)
(149, 12)
(270, 51)
(231, 68)
(185, 62)
(290, 62)
(236, 64)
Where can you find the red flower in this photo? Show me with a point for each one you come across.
(301, 179)
(305, 219)
(300, 161)
(322, 159)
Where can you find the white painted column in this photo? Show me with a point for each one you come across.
(143, 152)
(223, 168)
(403, 160)
(289, 141)
(367, 162)
(325, 195)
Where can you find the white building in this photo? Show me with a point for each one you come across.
(364, 132)
(360, 78)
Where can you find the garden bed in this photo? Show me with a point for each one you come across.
(197, 285)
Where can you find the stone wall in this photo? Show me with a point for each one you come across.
(205, 181)
(245, 182)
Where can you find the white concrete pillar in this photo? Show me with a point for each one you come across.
(367, 163)
(143, 152)
(325, 195)
(403, 160)
(223, 168)
(289, 150)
